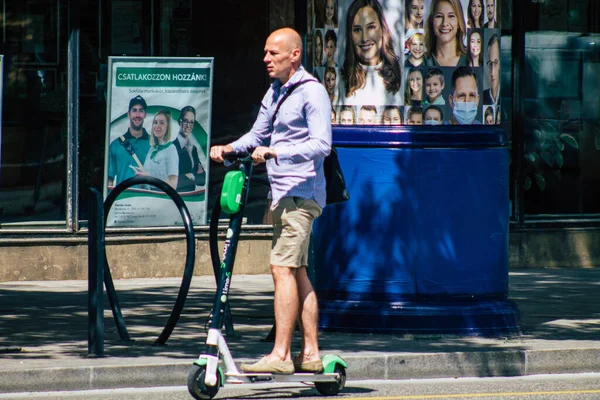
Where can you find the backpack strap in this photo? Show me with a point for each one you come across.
(286, 95)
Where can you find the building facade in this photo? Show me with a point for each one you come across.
(54, 87)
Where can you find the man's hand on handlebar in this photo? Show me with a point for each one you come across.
(216, 152)
(263, 153)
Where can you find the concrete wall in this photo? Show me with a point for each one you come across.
(127, 259)
(159, 257)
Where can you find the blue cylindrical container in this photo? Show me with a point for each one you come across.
(422, 245)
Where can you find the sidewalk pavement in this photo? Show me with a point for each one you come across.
(43, 334)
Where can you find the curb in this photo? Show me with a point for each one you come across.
(368, 366)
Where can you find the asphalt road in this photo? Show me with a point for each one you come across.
(537, 387)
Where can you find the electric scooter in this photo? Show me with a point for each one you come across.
(207, 375)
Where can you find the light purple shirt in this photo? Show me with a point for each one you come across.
(301, 135)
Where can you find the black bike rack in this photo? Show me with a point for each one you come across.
(97, 257)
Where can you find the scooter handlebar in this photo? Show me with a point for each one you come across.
(232, 156)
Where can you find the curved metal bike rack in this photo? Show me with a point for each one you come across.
(189, 261)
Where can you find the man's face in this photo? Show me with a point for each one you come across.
(415, 119)
(136, 115)
(367, 117)
(489, 9)
(330, 51)
(465, 92)
(333, 118)
(346, 118)
(493, 65)
(433, 87)
(278, 58)
(433, 115)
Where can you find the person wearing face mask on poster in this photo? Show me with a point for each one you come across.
(371, 72)
(433, 116)
(464, 99)
(445, 32)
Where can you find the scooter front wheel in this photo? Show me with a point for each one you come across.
(196, 385)
(333, 388)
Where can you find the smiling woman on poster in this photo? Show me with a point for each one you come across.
(371, 73)
(475, 55)
(445, 32)
(475, 14)
(162, 161)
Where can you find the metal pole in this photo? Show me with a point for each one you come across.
(96, 274)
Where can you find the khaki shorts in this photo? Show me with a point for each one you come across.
(292, 224)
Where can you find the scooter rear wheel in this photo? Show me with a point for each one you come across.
(333, 388)
(196, 385)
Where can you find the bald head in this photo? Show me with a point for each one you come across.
(288, 37)
(283, 53)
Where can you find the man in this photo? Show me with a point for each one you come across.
(367, 115)
(300, 138)
(492, 95)
(130, 149)
(433, 116)
(414, 116)
(490, 8)
(464, 98)
(347, 116)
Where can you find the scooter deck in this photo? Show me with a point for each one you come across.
(267, 377)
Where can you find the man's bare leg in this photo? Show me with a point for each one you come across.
(308, 317)
(286, 311)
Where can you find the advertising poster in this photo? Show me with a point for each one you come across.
(409, 62)
(158, 124)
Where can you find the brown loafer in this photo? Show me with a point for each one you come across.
(275, 367)
(315, 367)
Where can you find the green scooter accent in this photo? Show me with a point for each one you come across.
(231, 194)
(330, 361)
(201, 362)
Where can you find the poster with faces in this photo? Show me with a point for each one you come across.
(397, 58)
